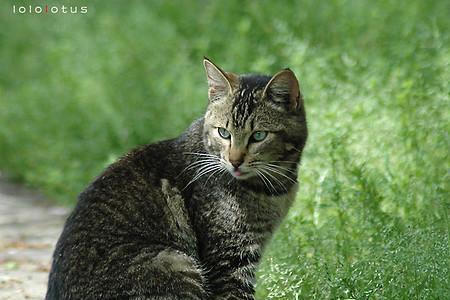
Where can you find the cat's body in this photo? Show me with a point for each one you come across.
(171, 221)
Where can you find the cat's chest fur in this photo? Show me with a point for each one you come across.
(236, 206)
(237, 219)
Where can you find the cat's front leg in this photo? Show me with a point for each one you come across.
(235, 276)
(238, 284)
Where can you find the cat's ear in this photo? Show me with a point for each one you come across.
(284, 90)
(220, 83)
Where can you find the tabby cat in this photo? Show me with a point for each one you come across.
(188, 218)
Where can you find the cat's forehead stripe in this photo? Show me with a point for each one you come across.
(243, 106)
(246, 97)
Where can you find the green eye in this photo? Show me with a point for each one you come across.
(224, 133)
(258, 136)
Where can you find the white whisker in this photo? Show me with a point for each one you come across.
(279, 173)
(275, 178)
(200, 163)
(218, 170)
(282, 168)
(207, 164)
(264, 179)
(202, 154)
(197, 163)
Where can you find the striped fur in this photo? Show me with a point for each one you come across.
(170, 221)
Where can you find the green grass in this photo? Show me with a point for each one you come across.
(372, 217)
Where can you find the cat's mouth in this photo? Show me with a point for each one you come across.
(238, 173)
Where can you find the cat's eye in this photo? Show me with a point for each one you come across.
(224, 133)
(258, 136)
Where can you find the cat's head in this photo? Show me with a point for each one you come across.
(255, 124)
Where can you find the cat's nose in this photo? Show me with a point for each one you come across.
(236, 156)
(236, 163)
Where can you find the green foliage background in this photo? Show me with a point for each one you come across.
(372, 217)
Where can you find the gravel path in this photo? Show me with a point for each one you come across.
(29, 228)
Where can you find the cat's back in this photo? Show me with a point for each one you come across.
(121, 213)
(130, 194)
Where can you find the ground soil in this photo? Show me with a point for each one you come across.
(29, 227)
